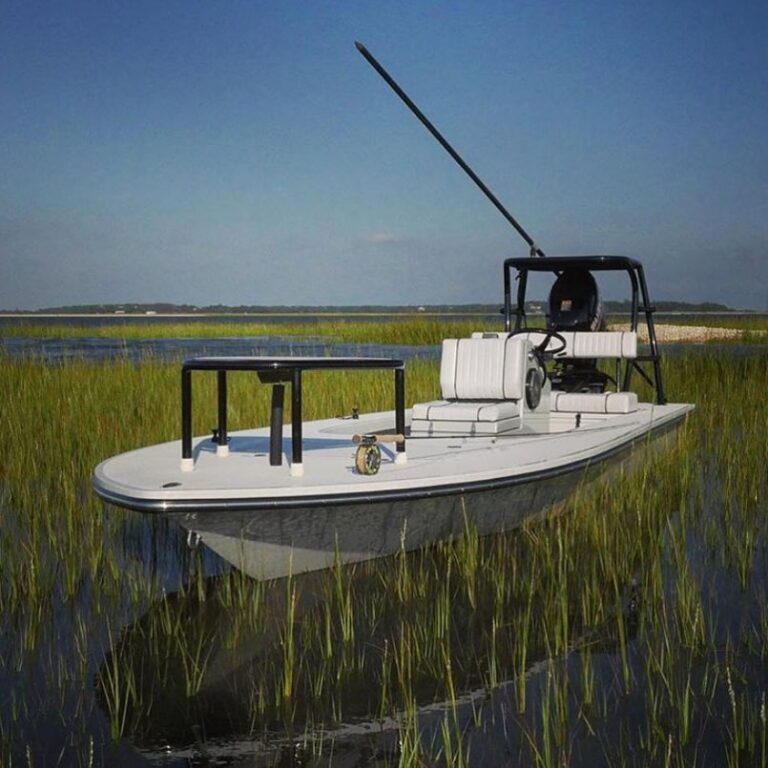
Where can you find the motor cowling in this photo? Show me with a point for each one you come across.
(574, 302)
(575, 305)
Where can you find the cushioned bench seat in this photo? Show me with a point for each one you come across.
(592, 402)
(471, 417)
(583, 344)
(482, 383)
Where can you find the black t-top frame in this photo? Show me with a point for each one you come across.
(515, 317)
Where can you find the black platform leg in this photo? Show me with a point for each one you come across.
(400, 406)
(186, 419)
(222, 433)
(296, 466)
(276, 425)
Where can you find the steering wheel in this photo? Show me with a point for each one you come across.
(541, 349)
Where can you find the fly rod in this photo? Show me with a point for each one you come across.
(368, 56)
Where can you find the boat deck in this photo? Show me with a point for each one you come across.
(151, 479)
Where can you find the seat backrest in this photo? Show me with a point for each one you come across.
(483, 369)
(591, 344)
(597, 344)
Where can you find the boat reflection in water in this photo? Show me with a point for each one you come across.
(322, 654)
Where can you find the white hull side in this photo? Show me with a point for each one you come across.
(151, 479)
(272, 541)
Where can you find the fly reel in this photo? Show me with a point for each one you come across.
(368, 453)
(368, 458)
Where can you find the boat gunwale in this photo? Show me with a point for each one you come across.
(248, 504)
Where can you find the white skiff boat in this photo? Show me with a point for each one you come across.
(524, 415)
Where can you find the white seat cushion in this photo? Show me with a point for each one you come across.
(590, 344)
(483, 369)
(482, 381)
(437, 426)
(466, 417)
(621, 344)
(594, 402)
(467, 410)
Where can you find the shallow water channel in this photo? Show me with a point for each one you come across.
(96, 349)
(627, 627)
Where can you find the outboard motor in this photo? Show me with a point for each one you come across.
(574, 302)
(575, 305)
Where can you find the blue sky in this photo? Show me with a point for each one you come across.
(244, 152)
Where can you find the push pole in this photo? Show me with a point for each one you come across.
(368, 56)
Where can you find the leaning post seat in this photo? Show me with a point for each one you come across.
(619, 345)
(577, 369)
(483, 385)
(582, 344)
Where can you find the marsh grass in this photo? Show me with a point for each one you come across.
(407, 330)
(628, 629)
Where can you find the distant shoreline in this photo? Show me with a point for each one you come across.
(344, 313)
(188, 315)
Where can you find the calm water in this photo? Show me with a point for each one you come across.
(59, 350)
(149, 320)
(63, 714)
(95, 349)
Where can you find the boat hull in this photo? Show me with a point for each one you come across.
(269, 523)
(153, 479)
(273, 543)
